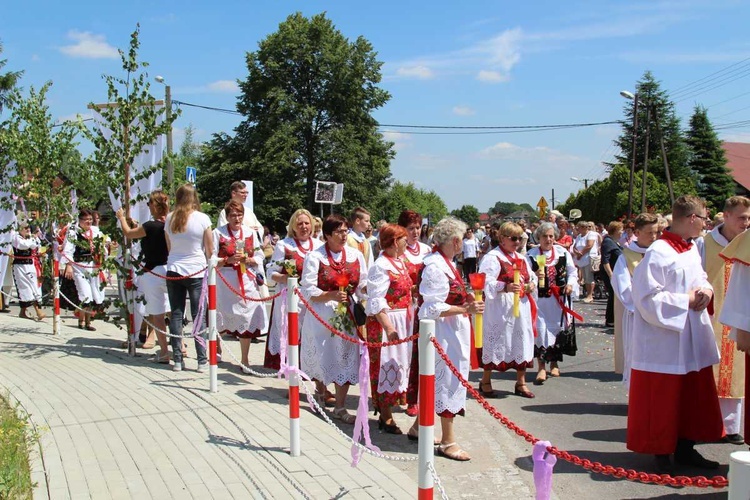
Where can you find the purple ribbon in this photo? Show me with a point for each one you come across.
(197, 325)
(361, 425)
(284, 333)
(544, 462)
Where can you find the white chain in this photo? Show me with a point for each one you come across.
(72, 303)
(362, 447)
(159, 330)
(436, 480)
(234, 358)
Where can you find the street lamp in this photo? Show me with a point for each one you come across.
(634, 97)
(168, 105)
(585, 181)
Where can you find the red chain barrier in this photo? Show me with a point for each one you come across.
(617, 472)
(239, 294)
(84, 266)
(349, 338)
(172, 278)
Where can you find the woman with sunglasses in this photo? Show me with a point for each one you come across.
(330, 275)
(559, 275)
(508, 339)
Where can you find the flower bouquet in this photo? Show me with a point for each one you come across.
(342, 319)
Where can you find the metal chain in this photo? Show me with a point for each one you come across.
(436, 480)
(244, 366)
(362, 447)
(163, 332)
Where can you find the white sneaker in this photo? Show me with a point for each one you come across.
(177, 367)
(202, 367)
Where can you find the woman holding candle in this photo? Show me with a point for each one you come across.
(330, 274)
(234, 245)
(510, 311)
(288, 256)
(559, 275)
(415, 253)
(446, 301)
(391, 317)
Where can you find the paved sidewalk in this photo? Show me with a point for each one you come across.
(119, 427)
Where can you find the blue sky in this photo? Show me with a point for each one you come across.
(478, 64)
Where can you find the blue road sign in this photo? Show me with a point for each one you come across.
(190, 174)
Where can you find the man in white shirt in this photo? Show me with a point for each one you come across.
(239, 193)
(730, 372)
(359, 222)
(673, 401)
(646, 229)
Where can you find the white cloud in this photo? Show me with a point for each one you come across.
(538, 155)
(463, 111)
(419, 72)
(89, 46)
(400, 140)
(491, 77)
(35, 58)
(717, 56)
(223, 86)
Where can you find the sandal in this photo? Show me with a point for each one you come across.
(554, 372)
(541, 378)
(524, 393)
(162, 360)
(460, 455)
(330, 399)
(90, 328)
(344, 416)
(487, 394)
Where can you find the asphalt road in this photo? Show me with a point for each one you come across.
(584, 411)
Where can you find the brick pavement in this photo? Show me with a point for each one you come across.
(119, 427)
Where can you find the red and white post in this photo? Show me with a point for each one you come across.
(213, 359)
(56, 295)
(426, 408)
(292, 359)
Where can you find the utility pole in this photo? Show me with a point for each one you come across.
(552, 200)
(664, 156)
(170, 165)
(645, 162)
(632, 159)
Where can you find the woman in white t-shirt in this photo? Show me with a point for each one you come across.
(190, 243)
(585, 248)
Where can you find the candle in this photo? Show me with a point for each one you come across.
(516, 295)
(477, 284)
(240, 249)
(541, 261)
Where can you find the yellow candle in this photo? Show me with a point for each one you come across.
(541, 261)
(516, 295)
(478, 325)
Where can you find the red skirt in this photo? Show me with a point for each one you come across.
(664, 408)
(379, 399)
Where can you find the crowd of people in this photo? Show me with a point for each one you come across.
(666, 277)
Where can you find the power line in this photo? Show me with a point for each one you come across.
(702, 90)
(687, 88)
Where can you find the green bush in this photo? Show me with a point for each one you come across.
(15, 441)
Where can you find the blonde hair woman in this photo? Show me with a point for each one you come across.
(190, 244)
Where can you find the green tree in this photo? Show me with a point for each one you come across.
(651, 95)
(134, 124)
(307, 102)
(402, 197)
(467, 213)
(507, 207)
(7, 81)
(36, 154)
(189, 152)
(708, 161)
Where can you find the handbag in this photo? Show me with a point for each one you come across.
(566, 341)
(358, 311)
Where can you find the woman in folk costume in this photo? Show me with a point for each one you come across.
(560, 275)
(237, 314)
(447, 302)
(415, 253)
(27, 270)
(391, 317)
(508, 341)
(287, 259)
(84, 252)
(331, 273)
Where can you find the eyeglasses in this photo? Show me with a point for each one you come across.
(235, 214)
(341, 232)
(513, 238)
(702, 217)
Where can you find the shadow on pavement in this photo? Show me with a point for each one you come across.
(595, 375)
(607, 435)
(580, 408)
